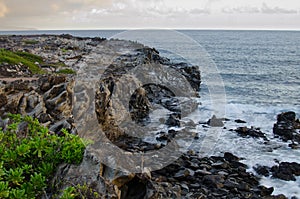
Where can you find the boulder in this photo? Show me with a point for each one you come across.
(286, 127)
(252, 132)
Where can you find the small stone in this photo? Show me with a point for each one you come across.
(262, 170)
(240, 121)
(184, 173)
(230, 157)
(220, 165)
(202, 172)
(223, 173)
(195, 185)
(214, 181)
(184, 186)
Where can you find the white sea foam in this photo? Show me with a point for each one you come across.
(254, 151)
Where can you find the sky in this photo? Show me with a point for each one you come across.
(136, 14)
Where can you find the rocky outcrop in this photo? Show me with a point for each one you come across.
(66, 101)
(284, 171)
(113, 85)
(251, 132)
(188, 177)
(50, 104)
(287, 128)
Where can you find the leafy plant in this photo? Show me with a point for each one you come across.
(31, 42)
(80, 192)
(29, 160)
(27, 59)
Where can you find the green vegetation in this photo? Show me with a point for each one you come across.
(63, 50)
(66, 71)
(26, 59)
(31, 42)
(79, 192)
(29, 157)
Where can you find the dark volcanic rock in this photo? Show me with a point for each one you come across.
(252, 132)
(240, 121)
(215, 177)
(286, 127)
(286, 171)
(262, 170)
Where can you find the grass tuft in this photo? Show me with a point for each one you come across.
(27, 59)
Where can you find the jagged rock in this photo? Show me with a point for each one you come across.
(215, 122)
(286, 127)
(262, 170)
(3, 100)
(31, 104)
(286, 171)
(86, 173)
(252, 132)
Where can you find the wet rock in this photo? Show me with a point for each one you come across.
(240, 121)
(286, 171)
(262, 170)
(230, 157)
(286, 117)
(280, 196)
(264, 191)
(252, 132)
(215, 122)
(286, 127)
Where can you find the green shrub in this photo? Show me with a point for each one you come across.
(80, 192)
(29, 158)
(31, 42)
(26, 59)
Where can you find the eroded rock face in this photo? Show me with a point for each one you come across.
(51, 106)
(102, 66)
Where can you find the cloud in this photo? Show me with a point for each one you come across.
(264, 9)
(276, 10)
(199, 11)
(249, 10)
(3, 9)
(50, 7)
(76, 14)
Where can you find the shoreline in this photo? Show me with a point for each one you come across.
(77, 53)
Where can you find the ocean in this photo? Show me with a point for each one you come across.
(260, 74)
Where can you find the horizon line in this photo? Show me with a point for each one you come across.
(124, 29)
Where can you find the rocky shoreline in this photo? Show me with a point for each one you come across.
(49, 97)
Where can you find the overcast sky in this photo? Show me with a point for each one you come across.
(123, 14)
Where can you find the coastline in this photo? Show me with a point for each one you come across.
(216, 178)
